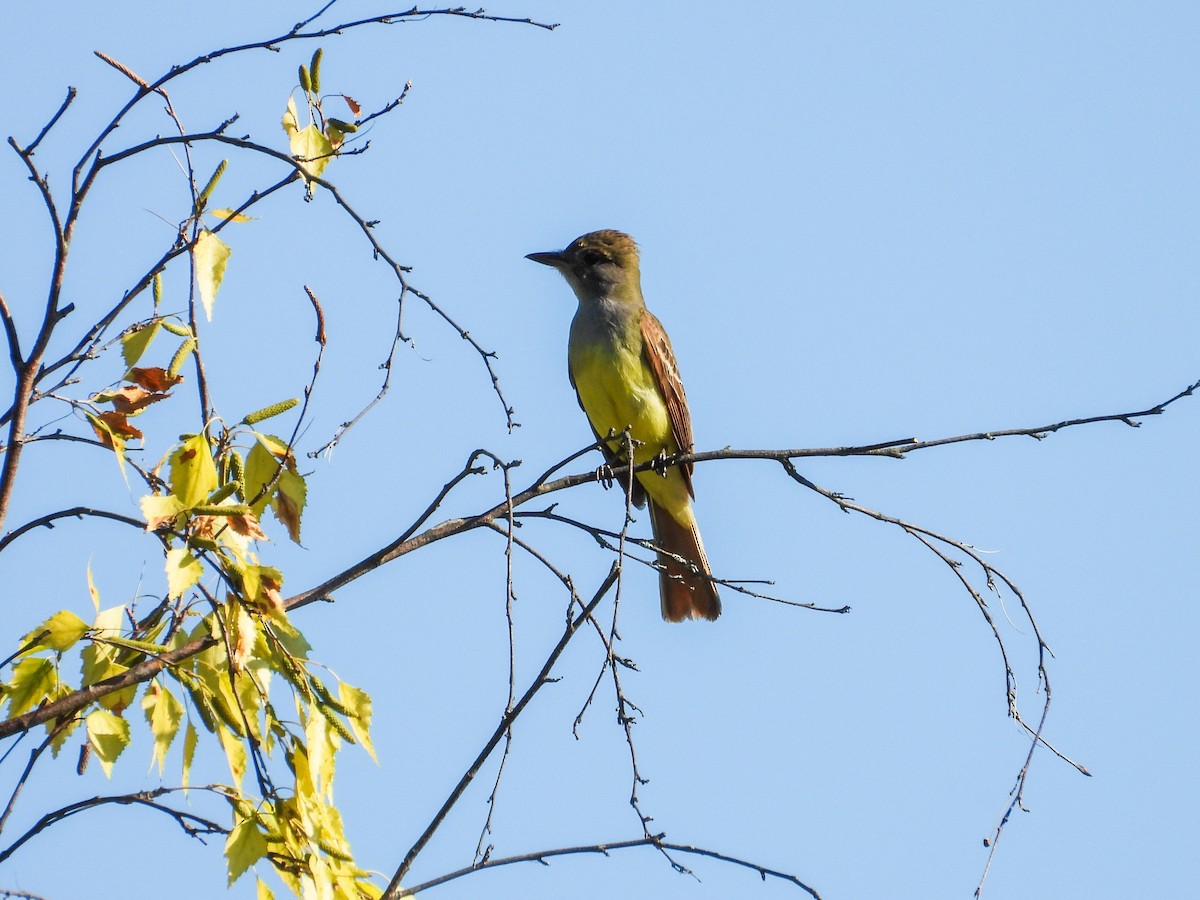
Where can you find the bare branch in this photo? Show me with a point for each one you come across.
(540, 856)
(10, 332)
(75, 512)
(192, 825)
(71, 93)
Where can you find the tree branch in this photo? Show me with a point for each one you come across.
(75, 512)
(193, 825)
(540, 856)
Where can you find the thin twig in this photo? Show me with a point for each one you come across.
(192, 825)
(540, 856)
(75, 512)
(71, 94)
(510, 597)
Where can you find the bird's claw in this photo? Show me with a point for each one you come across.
(659, 463)
(606, 476)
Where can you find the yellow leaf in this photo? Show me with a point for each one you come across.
(111, 439)
(263, 892)
(163, 713)
(245, 632)
(311, 150)
(322, 747)
(183, 571)
(235, 754)
(260, 469)
(231, 215)
(33, 680)
(193, 472)
(59, 632)
(190, 738)
(291, 119)
(245, 846)
(92, 592)
(210, 255)
(358, 704)
(135, 341)
(109, 736)
(99, 660)
(160, 511)
(58, 729)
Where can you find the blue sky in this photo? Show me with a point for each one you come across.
(859, 222)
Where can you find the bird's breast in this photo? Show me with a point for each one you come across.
(616, 387)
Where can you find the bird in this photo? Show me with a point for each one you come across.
(627, 381)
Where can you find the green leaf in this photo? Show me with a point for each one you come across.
(135, 341)
(358, 703)
(210, 255)
(33, 680)
(190, 738)
(193, 472)
(163, 713)
(245, 846)
(183, 571)
(263, 892)
(59, 632)
(109, 736)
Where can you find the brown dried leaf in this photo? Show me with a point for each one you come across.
(115, 423)
(270, 592)
(154, 379)
(131, 399)
(247, 526)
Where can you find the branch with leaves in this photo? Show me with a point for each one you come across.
(219, 657)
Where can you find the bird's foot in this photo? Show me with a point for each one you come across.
(606, 476)
(659, 463)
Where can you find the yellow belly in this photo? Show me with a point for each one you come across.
(618, 392)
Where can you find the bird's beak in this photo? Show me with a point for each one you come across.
(553, 258)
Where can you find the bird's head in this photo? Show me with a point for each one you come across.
(599, 264)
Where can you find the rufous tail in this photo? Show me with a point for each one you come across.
(685, 593)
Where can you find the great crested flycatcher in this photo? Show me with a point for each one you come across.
(624, 373)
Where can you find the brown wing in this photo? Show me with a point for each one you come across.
(656, 347)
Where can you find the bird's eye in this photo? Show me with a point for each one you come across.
(592, 257)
